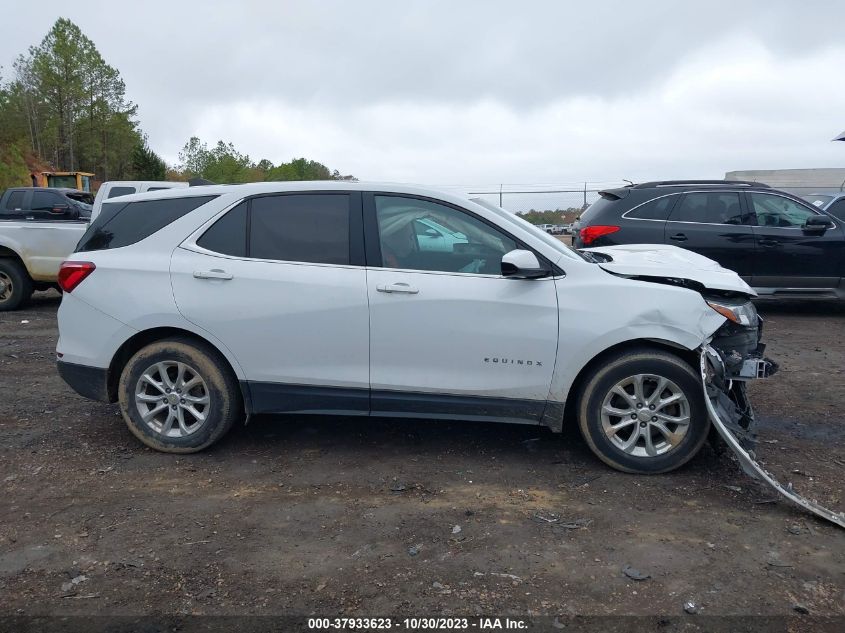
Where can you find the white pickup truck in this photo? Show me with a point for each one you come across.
(39, 229)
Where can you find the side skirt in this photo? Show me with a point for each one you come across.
(267, 397)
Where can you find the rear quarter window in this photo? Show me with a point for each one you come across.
(227, 235)
(124, 223)
(657, 209)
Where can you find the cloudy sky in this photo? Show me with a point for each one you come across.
(480, 92)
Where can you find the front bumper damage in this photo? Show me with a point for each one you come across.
(724, 372)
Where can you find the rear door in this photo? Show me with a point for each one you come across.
(279, 279)
(716, 225)
(788, 256)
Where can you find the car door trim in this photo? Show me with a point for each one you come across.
(276, 398)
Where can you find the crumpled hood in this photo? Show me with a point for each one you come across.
(663, 260)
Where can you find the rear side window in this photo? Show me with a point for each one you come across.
(710, 207)
(310, 228)
(121, 224)
(227, 236)
(15, 200)
(114, 192)
(657, 209)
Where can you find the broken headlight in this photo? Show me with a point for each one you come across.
(741, 312)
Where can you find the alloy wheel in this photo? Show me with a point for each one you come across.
(172, 399)
(645, 415)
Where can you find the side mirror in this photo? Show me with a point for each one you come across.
(429, 232)
(817, 224)
(522, 264)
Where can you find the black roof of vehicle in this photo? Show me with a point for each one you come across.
(697, 183)
(622, 192)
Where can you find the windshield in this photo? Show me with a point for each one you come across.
(512, 218)
(818, 200)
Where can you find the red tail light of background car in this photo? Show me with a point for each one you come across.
(71, 274)
(590, 234)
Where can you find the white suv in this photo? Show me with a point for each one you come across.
(195, 308)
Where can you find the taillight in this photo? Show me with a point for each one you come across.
(590, 234)
(71, 274)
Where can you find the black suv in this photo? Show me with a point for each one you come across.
(782, 246)
(45, 203)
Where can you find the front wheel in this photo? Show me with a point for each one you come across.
(643, 412)
(178, 396)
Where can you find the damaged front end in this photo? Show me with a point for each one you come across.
(733, 356)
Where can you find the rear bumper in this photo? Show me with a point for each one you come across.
(89, 382)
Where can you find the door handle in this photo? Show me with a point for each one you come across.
(398, 287)
(768, 242)
(214, 273)
(679, 237)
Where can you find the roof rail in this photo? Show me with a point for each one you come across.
(706, 183)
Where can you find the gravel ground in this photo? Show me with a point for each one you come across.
(375, 517)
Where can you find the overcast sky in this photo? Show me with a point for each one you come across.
(479, 92)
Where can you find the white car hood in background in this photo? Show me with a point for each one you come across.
(662, 260)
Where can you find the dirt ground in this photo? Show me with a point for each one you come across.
(375, 517)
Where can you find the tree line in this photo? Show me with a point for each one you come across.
(65, 107)
(557, 216)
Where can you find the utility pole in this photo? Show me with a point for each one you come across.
(500, 196)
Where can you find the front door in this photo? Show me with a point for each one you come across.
(450, 336)
(280, 281)
(713, 224)
(788, 256)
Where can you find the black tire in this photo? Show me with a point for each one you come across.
(220, 386)
(13, 272)
(616, 370)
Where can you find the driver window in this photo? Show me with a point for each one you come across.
(422, 235)
(777, 211)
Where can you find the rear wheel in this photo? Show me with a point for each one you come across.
(643, 412)
(15, 285)
(178, 396)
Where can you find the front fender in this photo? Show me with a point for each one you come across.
(608, 311)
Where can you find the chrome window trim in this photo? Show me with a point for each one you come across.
(624, 216)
